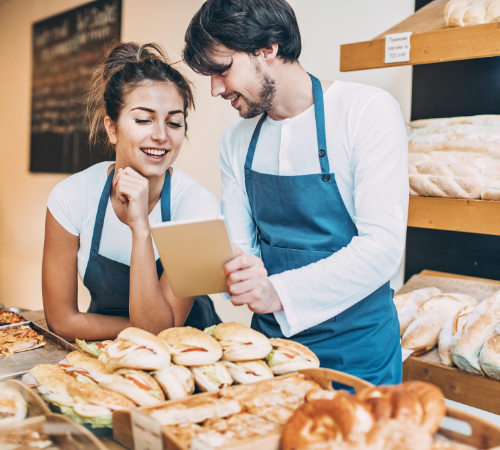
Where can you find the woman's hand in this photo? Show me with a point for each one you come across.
(248, 284)
(132, 190)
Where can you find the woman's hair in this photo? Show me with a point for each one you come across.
(127, 66)
(243, 26)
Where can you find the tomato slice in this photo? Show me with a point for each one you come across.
(139, 384)
(100, 346)
(194, 349)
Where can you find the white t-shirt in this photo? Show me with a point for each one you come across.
(74, 201)
(368, 152)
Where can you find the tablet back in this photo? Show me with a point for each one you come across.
(192, 254)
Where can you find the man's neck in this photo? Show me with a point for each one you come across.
(293, 92)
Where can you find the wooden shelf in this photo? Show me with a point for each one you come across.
(432, 41)
(470, 216)
(463, 387)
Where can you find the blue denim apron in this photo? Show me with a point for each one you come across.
(301, 220)
(109, 281)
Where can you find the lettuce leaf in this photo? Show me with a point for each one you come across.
(105, 421)
(91, 349)
(210, 331)
(275, 358)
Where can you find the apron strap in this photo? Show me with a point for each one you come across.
(103, 203)
(253, 142)
(319, 111)
(165, 198)
(101, 213)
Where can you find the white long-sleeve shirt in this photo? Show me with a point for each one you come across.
(368, 152)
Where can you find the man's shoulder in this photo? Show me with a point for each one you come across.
(354, 91)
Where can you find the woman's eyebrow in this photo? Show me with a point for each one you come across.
(142, 108)
(176, 111)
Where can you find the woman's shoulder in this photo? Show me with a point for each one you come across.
(85, 181)
(190, 199)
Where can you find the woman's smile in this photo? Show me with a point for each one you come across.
(155, 154)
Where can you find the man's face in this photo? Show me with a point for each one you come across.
(245, 83)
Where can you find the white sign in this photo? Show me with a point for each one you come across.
(146, 432)
(397, 47)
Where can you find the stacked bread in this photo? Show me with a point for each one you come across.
(467, 333)
(139, 368)
(457, 157)
(422, 314)
(390, 417)
(462, 13)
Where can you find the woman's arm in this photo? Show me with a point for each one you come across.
(153, 306)
(59, 289)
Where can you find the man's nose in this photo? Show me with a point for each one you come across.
(218, 87)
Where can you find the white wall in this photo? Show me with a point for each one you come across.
(325, 25)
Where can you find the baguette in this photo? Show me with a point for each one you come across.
(480, 325)
(447, 335)
(410, 303)
(422, 334)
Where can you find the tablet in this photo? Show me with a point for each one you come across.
(192, 253)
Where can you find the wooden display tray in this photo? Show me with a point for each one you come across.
(122, 424)
(474, 390)
(65, 433)
(453, 214)
(432, 41)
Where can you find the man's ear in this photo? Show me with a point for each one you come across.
(110, 130)
(269, 54)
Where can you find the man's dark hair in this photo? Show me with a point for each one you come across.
(243, 26)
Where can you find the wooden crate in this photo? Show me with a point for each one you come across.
(473, 390)
(431, 42)
(122, 424)
(36, 406)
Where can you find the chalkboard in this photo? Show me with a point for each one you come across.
(66, 49)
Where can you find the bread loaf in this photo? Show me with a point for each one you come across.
(461, 13)
(489, 357)
(447, 335)
(491, 191)
(422, 334)
(408, 305)
(478, 329)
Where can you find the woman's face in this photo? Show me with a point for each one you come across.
(150, 129)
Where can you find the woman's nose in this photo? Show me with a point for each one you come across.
(160, 132)
(218, 87)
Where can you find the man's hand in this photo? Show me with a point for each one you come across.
(248, 284)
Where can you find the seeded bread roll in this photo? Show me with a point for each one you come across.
(423, 333)
(447, 335)
(479, 328)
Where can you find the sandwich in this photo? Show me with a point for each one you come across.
(290, 356)
(136, 385)
(83, 367)
(93, 348)
(240, 343)
(176, 381)
(12, 405)
(245, 372)
(82, 402)
(212, 377)
(136, 349)
(191, 347)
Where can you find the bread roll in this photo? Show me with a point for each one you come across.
(422, 334)
(448, 332)
(489, 358)
(493, 11)
(410, 303)
(491, 191)
(479, 328)
(476, 13)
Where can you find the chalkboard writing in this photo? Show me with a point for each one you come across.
(66, 49)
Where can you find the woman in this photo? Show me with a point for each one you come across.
(98, 220)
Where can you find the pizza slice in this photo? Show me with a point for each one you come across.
(20, 339)
(9, 317)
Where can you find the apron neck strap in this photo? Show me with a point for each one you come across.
(319, 112)
(103, 203)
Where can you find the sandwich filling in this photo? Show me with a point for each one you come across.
(283, 356)
(94, 348)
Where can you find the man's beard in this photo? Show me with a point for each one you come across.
(265, 100)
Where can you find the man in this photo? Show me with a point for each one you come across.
(314, 180)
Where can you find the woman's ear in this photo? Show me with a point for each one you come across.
(110, 130)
